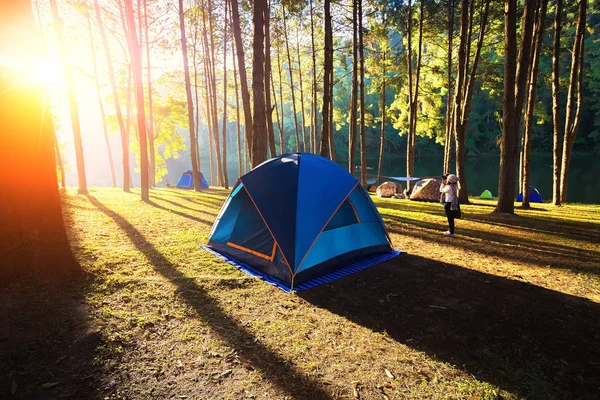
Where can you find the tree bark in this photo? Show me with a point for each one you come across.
(190, 104)
(526, 151)
(315, 123)
(573, 116)
(514, 81)
(58, 27)
(113, 83)
(332, 154)
(327, 77)
(449, 124)
(556, 142)
(224, 123)
(382, 139)
(136, 57)
(354, 94)
(268, 106)
(363, 133)
(306, 143)
(59, 159)
(282, 132)
(237, 111)
(152, 176)
(290, 69)
(33, 238)
(239, 48)
(101, 104)
(259, 137)
(412, 135)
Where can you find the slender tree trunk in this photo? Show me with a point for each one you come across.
(290, 69)
(539, 34)
(259, 136)
(306, 145)
(268, 106)
(409, 161)
(101, 104)
(239, 48)
(58, 27)
(136, 57)
(556, 142)
(363, 134)
(113, 83)
(382, 140)
(190, 104)
(315, 123)
(207, 100)
(59, 159)
(449, 125)
(515, 77)
(458, 127)
(332, 154)
(33, 238)
(279, 122)
(410, 151)
(327, 77)
(354, 94)
(224, 123)
(282, 133)
(573, 116)
(152, 150)
(196, 95)
(237, 112)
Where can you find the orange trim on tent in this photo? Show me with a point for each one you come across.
(267, 225)
(247, 250)
(326, 223)
(274, 250)
(354, 209)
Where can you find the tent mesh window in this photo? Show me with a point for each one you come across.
(344, 216)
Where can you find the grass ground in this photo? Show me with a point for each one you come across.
(509, 308)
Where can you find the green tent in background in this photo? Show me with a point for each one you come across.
(486, 195)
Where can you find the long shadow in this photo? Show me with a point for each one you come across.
(274, 368)
(46, 337)
(181, 214)
(176, 204)
(531, 341)
(522, 250)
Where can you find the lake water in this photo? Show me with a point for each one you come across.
(482, 173)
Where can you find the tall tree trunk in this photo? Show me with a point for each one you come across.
(463, 108)
(556, 142)
(573, 116)
(449, 123)
(314, 123)
(354, 94)
(363, 134)
(101, 104)
(59, 159)
(282, 133)
(58, 27)
(458, 127)
(412, 135)
(224, 123)
(515, 77)
(259, 136)
(237, 112)
(113, 83)
(332, 154)
(268, 106)
(327, 80)
(190, 104)
(382, 139)
(136, 57)
(239, 48)
(290, 69)
(151, 148)
(196, 94)
(539, 34)
(306, 143)
(33, 238)
(209, 123)
(213, 88)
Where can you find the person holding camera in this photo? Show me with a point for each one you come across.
(449, 199)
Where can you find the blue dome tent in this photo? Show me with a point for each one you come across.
(187, 181)
(534, 196)
(299, 220)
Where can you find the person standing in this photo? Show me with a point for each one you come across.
(449, 199)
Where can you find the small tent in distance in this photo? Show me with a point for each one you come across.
(534, 196)
(187, 181)
(486, 195)
(427, 189)
(299, 220)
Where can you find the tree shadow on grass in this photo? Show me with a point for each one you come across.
(273, 367)
(181, 214)
(176, 204)
(47, 341)
(528, 340)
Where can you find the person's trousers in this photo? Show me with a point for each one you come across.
(451, 215)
